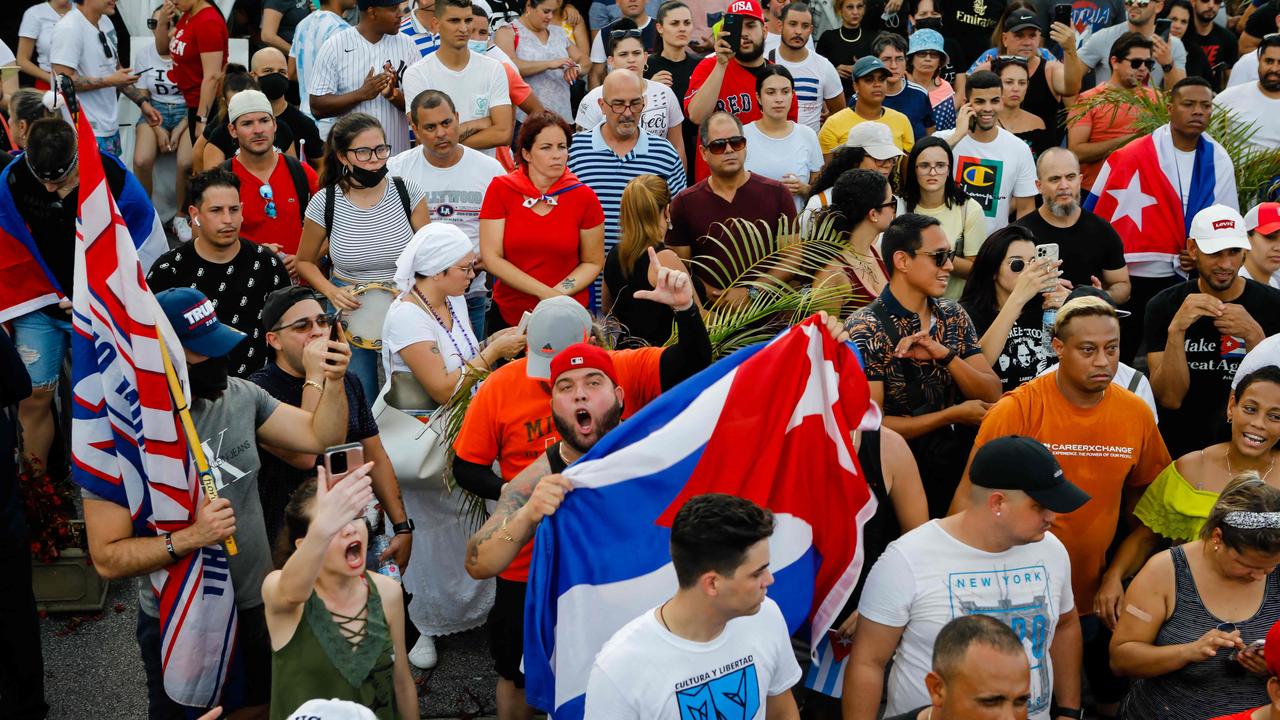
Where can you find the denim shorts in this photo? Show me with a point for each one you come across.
(42, 342)
(171, 114)
(110, 144)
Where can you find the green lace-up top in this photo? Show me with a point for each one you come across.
(336, 656)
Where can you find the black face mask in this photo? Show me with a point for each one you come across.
(366, 178)
(208, 378)
(921, 24)
(274, 86)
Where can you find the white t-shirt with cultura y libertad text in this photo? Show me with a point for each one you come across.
(645, 671)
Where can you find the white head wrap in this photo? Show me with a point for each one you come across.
(432, 250)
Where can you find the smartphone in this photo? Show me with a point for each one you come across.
(522, 327)
(1162, 28)
(733, 31)
(1062, 13)
(340, 460)
(973, 123)
(1048, 253)
(713, 18)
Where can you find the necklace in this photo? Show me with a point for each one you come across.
(449, 330)
(663, 618)
(560, 451)
(1231, 473)
(842, 37)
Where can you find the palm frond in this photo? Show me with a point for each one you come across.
(1255, 167)
(473, 507)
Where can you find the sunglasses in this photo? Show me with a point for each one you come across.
(152, 23)
(1137, 63)
(735, 143)
(616, 35)
(1137, 3)
(1006, 59)
(892, 202)
(106, 44)
(940, 258)
(267, 194)
(364, 154)
(305, 324)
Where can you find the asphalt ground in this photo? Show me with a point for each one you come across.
(92, 668)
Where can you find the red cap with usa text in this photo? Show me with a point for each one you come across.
(583, 355)
(749, 8)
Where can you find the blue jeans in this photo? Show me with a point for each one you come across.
(42, 343)
(477, 305)
(110, 144)
(364, 362)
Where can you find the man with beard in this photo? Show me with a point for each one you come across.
(993, 166)
(235, 274)
(1219, 44)
(870, 78)
(232, 416)
(1198, 331)
(1093, 134)
(508, 422)
(1091, 251)
(617, 150)
(816, 80)
(276, 188)
(1106, 442)
(726, 81)
(1259, 102)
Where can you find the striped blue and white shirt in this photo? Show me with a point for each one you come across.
(308, 37)
(600, 168)
(426, 41)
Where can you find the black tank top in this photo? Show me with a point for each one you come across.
(883, 527)
(1041, 103)
(554, 460)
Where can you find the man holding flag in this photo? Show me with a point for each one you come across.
(1150, 189)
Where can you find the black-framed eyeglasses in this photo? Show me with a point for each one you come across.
(891, 202)
(735, 143)
(106, 44)
(305, 324)
(618, 106)
(940, 258)
(365, 154)
(1137, 63)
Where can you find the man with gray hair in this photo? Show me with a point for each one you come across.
(979, 670)
(1091, 251)
(611, 154)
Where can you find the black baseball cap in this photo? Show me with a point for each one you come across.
(1021, 19)
(1017, 462)
(1080, 291)
(279, 301)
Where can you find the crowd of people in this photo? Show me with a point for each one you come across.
(536, 213)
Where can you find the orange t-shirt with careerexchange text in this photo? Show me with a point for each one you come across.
(1101, 449)
(509, 420)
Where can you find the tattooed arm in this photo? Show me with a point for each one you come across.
(529, 497)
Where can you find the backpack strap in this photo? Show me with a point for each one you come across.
(301, 187)
(329, 199)
(773, 56)
(403, 192)
(1135, 381)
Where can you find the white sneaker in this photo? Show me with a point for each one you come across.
(423, 654)
(181, 228)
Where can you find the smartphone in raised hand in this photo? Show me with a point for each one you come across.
(340, 460)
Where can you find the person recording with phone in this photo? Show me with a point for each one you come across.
(232, 417)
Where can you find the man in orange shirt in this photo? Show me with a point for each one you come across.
(1094, 134)
(1106, 440)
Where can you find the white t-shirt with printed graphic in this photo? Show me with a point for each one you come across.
(77, 45)
(661, 110)
(816, 82)
(993, 173)
(156, 79)
(475, 90)
(645, 671)
(927, 578)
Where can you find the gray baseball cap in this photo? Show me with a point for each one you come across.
(555, 324)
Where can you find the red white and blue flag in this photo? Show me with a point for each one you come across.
(604, 558)
(126, 441)
(1140, 187)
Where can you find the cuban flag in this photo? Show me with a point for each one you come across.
(1139, 192)
(771, 423)
(126, 441)
(26, 283)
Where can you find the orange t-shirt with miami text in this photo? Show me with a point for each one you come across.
(509, 420)
(1102, 449)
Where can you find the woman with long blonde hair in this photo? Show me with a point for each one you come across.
(643, 217)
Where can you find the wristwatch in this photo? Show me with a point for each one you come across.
(1073, 713)
(1167, 68)
(403, 528)
(949, 357)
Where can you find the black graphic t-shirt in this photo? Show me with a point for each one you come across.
(1087, 249)
(237, 289)
(1026, 351)
(971, 23)
(1212, 359)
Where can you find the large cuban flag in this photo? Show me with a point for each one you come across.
(771, 423)
(127, 445)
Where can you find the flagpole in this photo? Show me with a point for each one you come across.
(193, 439)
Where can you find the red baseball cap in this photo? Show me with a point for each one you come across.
(583, 355)
(1263, 218)
(750, 8)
